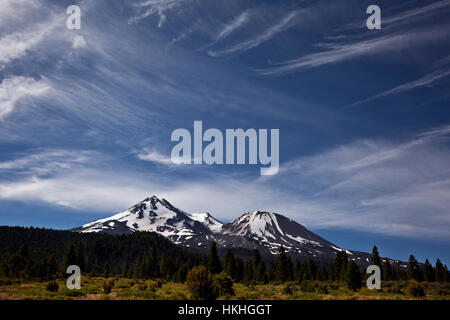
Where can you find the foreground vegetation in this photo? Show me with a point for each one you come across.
(92, 288)
(143, 265)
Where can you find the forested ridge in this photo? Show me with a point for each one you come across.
(36, 252)
(45, 254)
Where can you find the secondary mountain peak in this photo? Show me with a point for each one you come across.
(208, 221)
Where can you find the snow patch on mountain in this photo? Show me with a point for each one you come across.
(208, 221)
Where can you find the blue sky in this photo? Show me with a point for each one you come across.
(86, 115)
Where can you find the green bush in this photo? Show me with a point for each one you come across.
(322, 288)
(152, 286)
(287, 289)
(108, 285)
(123, 284)
(416, 289)
(201, 284)
(440, 291)
(158, 283)
(224, 284)
(52, 286)
(396, 288)
(307, 286)
(143, 286)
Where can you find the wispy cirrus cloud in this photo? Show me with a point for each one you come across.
(51, 161)
(426, 81)
(154, 156)
(389, 187)
(420, 12)
(237, 23)
(383, 186)
(288, 21)
(339, 52)
(13, 10)
(15, 45)
(152, 7)
(15, 89)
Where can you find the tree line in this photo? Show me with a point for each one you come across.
(45, 254)
(282, 268)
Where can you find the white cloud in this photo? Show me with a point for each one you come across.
(14, 89)
(341, 52)
(238, 22)
(398, 188)
(46, 162)
(78, 42)
(395, 188)
(151, 7)
(12, 10)
(426, 81)
(16, 44)
(285, 23)
(155, 156)
(420, 12)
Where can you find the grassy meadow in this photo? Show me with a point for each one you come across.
(92, 288)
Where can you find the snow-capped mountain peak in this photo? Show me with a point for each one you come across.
(256, 223)
(273, 230)
(151, 214)
(208, 221)
(255, 229)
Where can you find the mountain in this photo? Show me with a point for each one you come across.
(155, 215)
(265, 231)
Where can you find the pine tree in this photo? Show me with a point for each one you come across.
(258, 266)
(70, 258)
(428, 271)
(137, 267)
(261, 272)
(375, 258)
(290, 269)
(81, 260)
(256, 258)
(239, 269)
(52, 267)
(126, 269)
(387, 271)
(440, 274)
(214, 261)
(298, 274)
(229, 265)
(182, 273)
(106, 270)
(340, 265)
(249, 272)
(414, 272)
(312, 269)
(272, 271)
(282, 271)
(353, 277)
(332, 273)
(154, 265)
(322, 274)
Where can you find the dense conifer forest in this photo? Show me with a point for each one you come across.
(35, 253)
